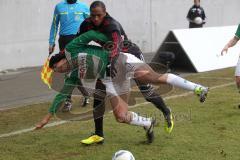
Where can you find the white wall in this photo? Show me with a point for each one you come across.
(25, 24)
(203, 47)
(24, 31)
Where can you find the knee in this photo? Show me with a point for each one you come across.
(121, 117)
(149, 93)
(145, 87)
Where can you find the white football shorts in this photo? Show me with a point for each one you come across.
(125, 66)
(237, 71)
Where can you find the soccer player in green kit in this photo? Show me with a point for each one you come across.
(93, 60)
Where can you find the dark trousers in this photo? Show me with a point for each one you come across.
(64, 40)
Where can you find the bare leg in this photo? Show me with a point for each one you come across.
(145, 74)
(120, 108)
(122, 115)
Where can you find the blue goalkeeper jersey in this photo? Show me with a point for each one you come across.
(70, 16)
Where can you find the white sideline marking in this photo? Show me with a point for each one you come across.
(31, 129)
(137, 105)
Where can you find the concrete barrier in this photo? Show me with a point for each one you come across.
(25, 24)
(199, 49)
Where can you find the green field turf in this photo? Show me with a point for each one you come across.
(208, 131)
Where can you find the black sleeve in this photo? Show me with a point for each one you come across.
(113, 31)
(123, 32)
(116, 39)
(189, 15)
(83, 27)
(203, 14)
(112, 26)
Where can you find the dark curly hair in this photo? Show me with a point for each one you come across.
(98, 4)
(56, 58)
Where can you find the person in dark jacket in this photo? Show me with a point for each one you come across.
(196, 15)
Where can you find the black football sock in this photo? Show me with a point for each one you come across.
(158, 103)
(99, 107)
(151, 96)
(99, 126)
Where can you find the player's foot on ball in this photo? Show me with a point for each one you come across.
(85, 102)
(149, 131)
(202, 93)
(169, 123)
(67, 106)
(93, 139)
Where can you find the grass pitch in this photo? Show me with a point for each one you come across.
(202, 131)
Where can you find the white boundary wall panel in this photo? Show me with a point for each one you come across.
(25, 30)
(203, 47)
(20, 55)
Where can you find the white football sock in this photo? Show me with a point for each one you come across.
(181, 83)
(139, 120)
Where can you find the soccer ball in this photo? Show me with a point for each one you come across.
(198, 20)
(123, 155)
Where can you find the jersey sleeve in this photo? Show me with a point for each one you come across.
(189, 15)
(116, 38)
(82, 28)
(113, 32)
(85, 38)
(69, 85)
(203, 14)
(123, 33)
(54, 26)
(237, 34)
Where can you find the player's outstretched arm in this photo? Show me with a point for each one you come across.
(231, 43)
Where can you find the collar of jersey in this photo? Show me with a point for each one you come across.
(65, 2)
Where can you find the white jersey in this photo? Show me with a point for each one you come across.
(125, 66)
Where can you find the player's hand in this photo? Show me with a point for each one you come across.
(51, 49)
(224, 50)
(44, 121)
